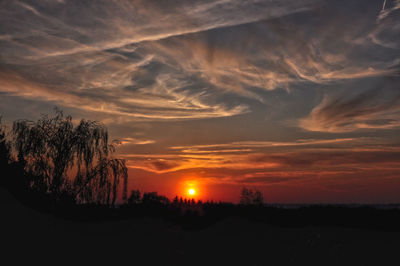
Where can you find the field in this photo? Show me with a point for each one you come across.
(30, 236)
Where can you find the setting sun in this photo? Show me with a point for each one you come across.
(192, 191)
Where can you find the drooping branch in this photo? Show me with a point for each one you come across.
(54, 149)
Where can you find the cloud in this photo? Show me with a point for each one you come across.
(304, 155)
(265, 178)
(331, 159)
(368, 110)
(146, 60)
(177, 162)
(242, 146)
(164, 106)
(135, 141)
(318, 170)
(387, 30)
(108, 25)
(269, 55)
(162, 166)
(385, 11)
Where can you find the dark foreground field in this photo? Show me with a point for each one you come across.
(32, 237)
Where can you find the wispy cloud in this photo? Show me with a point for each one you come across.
(298, 156)
(261, 144)
(385, 11)
(152, 60)
(369, 110)
(155, 107)
(135, 141)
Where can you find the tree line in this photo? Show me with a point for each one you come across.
(247, 197)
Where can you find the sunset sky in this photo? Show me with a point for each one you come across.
(297, 98)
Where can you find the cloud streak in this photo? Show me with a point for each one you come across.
(301, 155)
(369, 110)
(168, 106)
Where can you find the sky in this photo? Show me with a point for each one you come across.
(299, 99)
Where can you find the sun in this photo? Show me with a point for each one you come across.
(192, 191)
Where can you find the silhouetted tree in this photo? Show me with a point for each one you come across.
(5, 152)
(175, 200)
(69, 160)
(249, 197)
(135, 197)
(258, 198)
(153, 199)
(4, 145)
(246, 196)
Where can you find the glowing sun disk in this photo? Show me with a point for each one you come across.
(191, 191)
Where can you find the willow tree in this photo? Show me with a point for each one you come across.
(76, 160)
(4, 149)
